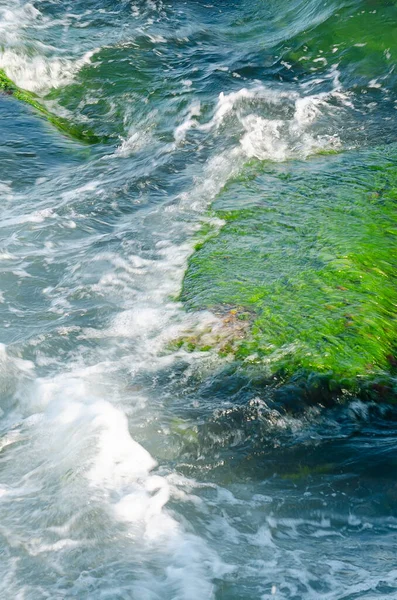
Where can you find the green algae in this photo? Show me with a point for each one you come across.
(360, 40)
(184, 430)
(312, 259)
(304, 471)
(76, 131)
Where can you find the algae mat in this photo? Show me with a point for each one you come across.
(308, 259)
(77, 131)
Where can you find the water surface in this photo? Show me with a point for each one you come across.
(129, 470)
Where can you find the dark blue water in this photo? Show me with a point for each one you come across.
(129, 469)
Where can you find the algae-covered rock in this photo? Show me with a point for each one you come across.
(311, 257)
(361, 44)
(76, 131)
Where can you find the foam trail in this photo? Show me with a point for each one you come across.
(100, 472)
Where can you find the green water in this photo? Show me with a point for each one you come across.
(197, 299)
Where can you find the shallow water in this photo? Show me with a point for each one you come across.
(129, 470)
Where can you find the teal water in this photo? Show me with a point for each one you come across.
(129, 470)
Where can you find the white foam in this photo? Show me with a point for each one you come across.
(15, 375)
(135, 141)
(276, 137)
(82, 448)
(230, 103)
(14, 17)
(40, 73)
(189, 123)
(33, 65)
(5, 191)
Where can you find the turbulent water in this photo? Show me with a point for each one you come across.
(129, 470)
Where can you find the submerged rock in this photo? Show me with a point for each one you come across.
(310, 260)
(78, 132)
